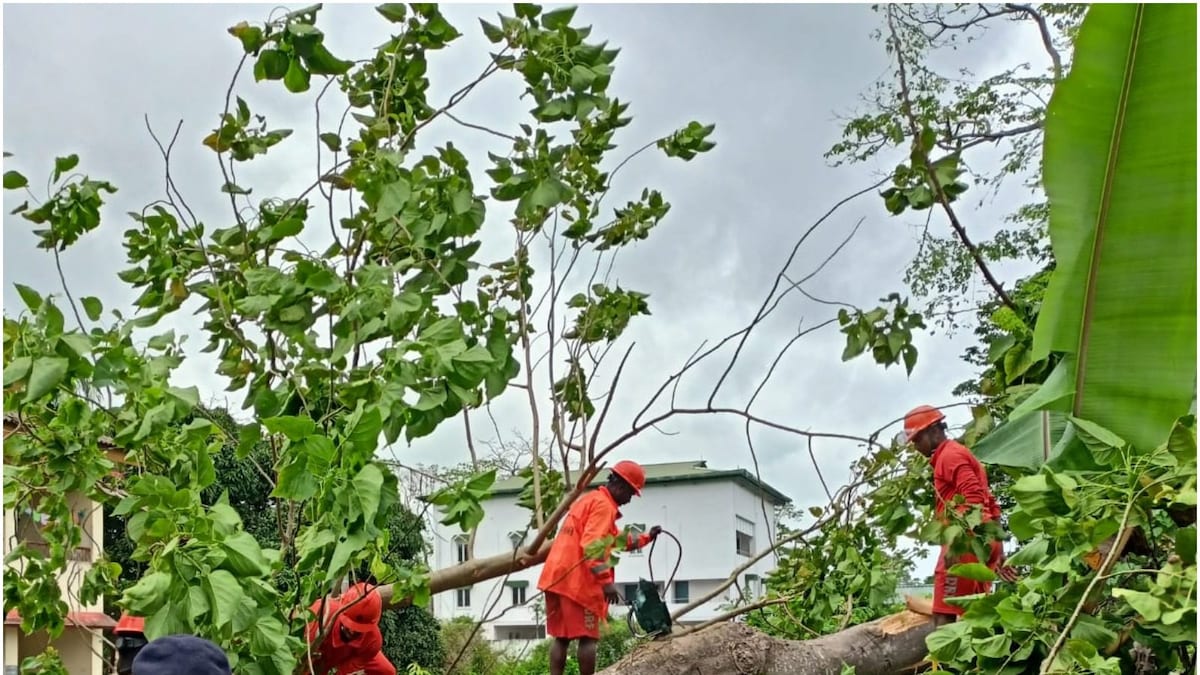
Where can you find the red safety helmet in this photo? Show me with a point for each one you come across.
(633, 473)
(921, 418)
(363, 606)
(130, 624)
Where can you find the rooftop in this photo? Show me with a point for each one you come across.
(670, 472)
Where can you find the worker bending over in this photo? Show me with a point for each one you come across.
(955, 472)
(353, 644)
(579, 589)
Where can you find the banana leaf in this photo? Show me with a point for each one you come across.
(1120, 175)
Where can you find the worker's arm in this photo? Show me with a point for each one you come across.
(633, 543)
(599, 523)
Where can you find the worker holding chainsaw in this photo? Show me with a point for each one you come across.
(578, 588)
(955, 472)
(352, 643)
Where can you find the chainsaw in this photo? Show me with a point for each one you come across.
(648, 614)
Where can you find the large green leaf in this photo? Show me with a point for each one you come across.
(1120, 174)
(1026, 442)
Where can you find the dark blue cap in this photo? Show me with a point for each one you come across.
(181, 655)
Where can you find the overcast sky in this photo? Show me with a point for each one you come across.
(772, 78)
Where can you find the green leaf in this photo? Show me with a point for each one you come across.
(1120, 175)
(64, 164)
(332, 141)
(14, 180)
(31, 298)
(947, 642)
(974, 571)
(392, 200)
(366, 487)
(225, 594)
(296, 78)
(1185, 544)
(17, 369)
(558, 18)
(272, 64)
(295, 428)
(1143, 603)
(244, 555)
(47, 373)
(1026, 442)
(321, 62)
(394, 12)
(251, 36)
(492, 32)
(92, 307)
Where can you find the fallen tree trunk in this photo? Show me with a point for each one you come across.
(881, 647)
(470, 572)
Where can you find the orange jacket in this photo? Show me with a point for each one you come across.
(591, 518)
(957, 472)
(363, 653)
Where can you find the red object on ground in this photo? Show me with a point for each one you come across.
(569, 620)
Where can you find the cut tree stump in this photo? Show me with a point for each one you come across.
(889, 645)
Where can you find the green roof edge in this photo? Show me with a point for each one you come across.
(740, 475)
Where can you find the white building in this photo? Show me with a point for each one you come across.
(721, 518)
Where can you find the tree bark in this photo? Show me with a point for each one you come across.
(471, 572)
(881, 647)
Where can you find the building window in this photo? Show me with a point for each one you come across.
(462, 552)
(752, 588)
(681, 592)
(516, 539)
(745, 537)
(518, 592)
(462, 597)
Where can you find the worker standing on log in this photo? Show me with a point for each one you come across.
(955, 472)
(353, 643)
(579, 588)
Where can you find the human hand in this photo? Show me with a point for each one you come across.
(611, 594)
(1007, 573)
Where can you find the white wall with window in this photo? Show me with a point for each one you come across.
(719, 521)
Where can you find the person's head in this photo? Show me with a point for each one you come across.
(625, 481)
(181, 655)
(925, 428)
(363, 608)
(129, 639)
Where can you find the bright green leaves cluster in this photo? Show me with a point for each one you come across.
(916, 186)
(1067, 522)
(291, 49)
(632, 223)
(244, 138)
(571, 394)
(71, 210)
(688, 142)
(888, 338)
(606, 314)
(462, 502)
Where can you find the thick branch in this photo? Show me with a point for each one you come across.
(881, 647)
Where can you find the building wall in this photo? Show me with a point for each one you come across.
(703, 515)
(80, 648)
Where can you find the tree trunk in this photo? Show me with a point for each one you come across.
(471, 572)
(881, 647)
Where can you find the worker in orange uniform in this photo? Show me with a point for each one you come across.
(577, 589)
(128, 637)
(955, 472)
(353, 644)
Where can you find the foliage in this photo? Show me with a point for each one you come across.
(958, 115)
(396, 326)
(888, 338)
(464, 644)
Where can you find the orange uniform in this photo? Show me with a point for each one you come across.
(363, 652)
(957, 472)
(574, 592)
